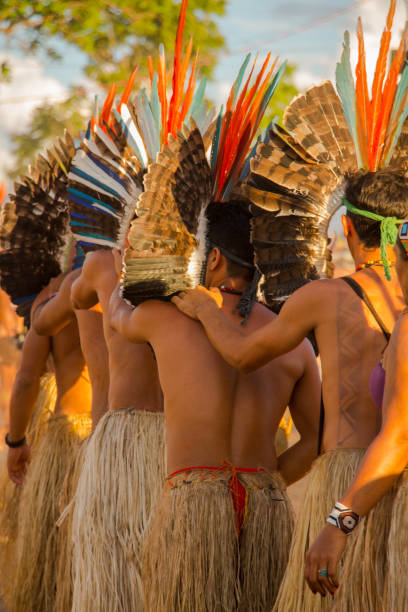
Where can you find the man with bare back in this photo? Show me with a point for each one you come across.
(220, 537)
(123, 464)
(352, 318)
(57, 431)
(54, 314)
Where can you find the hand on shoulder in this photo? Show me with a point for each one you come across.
(191, 302)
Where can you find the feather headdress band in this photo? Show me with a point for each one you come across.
(106, 178)
(297, 175)
(167, 241)
(34, 231)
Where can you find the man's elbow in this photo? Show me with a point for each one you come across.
(243, 362)
(41, 327)
(25, 382)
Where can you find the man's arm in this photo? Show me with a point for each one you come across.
(305, 410)
(23, 397)
(84, 291)
(131, 323)
(54, 314)
(247, 352)
(385, 459)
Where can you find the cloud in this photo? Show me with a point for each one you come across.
(29, 88)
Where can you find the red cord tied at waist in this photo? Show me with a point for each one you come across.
(239, 493)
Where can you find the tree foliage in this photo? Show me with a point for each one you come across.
(47, 125)
(115, 35)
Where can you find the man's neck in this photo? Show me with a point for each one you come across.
(236, 284)
(363, 256)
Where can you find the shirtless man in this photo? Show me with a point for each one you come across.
(350, 341)
(123, 464)
(218, 418)
(54, 314)
(58, 437)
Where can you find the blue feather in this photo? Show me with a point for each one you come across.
(155, 103)
(346, 90)
(198, 99)
(238, 80)
(147, 126)
(131, 141)
(216, 141)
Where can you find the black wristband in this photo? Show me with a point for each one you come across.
(14, 444)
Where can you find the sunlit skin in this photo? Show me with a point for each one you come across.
(52, 316)
(132, 369)
(384, 460)
(213, 413)
(62, 352)
(349, 339)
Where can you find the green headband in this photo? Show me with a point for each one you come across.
(388, 228)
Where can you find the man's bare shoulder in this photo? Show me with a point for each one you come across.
(97, 260)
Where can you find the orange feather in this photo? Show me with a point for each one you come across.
(151, 69)
(388, 98)
(161, 86)
(3, 192)
(107, 107)
(379, 75)
(188, 96)
(362, 96)
(177, 64)
(128, 89)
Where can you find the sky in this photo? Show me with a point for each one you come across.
(307, 33)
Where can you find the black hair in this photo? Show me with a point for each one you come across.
(229, 228)
(384, 192)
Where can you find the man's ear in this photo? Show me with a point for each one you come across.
(348, 227)
(214, 258)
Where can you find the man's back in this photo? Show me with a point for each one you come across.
(351, 343)
(71, 373)
(132, 367)
(214, 413)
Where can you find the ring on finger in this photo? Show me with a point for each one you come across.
(323, 572)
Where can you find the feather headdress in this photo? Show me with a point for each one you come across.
(34, 231)
(168, 239)
(106, 178)
(296, 176)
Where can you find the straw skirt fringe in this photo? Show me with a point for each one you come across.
(38, 544)
(123, 468)
(265, 540)
(396, 591)
(10, 493)
(193, 558)
(366, 564)
(329, 478)
(65, 570)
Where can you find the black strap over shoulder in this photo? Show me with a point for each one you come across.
(321, 427)
(358, 290)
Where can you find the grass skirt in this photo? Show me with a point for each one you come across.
(365, 563)
(38, 544)
(193, 557)
(396, 591)
(123, 468)
(65, 570)
(10, 493)
(330, 476)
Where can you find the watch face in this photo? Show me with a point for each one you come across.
(348, 520)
